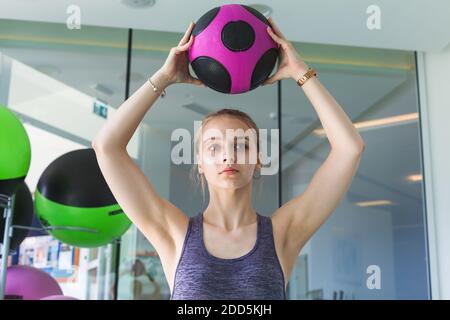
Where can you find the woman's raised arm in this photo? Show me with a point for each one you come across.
(161, 222)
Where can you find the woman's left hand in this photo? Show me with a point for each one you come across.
(291, 64)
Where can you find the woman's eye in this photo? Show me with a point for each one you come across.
(213, 147)
(241, 146)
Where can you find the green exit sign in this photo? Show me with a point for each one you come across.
(100, 109)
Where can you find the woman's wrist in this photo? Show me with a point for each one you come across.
(160, 80)
(299, 71)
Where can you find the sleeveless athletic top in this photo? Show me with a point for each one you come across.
(257, 275)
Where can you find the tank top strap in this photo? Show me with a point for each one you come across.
(196, 225)
(266, 234)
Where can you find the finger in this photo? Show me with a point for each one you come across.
(276, 29)
(196, 82)
(272, 79)
(186, 46)
(275, 38)
(186, 34)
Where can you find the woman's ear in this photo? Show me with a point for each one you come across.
(258, 164)
(199, 165)
(198, 161)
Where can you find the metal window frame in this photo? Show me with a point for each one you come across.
(429, 207)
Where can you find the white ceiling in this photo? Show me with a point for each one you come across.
(420, 25)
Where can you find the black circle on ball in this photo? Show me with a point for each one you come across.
(264, 67)
(212, 73)
(256, 13)
(205, 20)
(238, 36)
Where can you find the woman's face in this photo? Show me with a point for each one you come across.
(227, 143)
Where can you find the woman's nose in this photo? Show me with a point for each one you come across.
(228, 155)
(228, 159)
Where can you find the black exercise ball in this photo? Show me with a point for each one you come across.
(23, 216)
(73, 193)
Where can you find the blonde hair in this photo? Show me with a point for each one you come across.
(195, 175)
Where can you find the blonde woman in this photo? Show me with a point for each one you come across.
(228, 251)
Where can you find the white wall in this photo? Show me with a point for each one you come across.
(45, 148)
(434, 84)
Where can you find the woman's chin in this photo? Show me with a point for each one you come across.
(232, 183)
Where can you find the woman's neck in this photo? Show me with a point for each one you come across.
(230, 209)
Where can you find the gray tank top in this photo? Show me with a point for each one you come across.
(257, 275)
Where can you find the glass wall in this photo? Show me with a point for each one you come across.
(59, 82)
(374, 244)
(63, 84)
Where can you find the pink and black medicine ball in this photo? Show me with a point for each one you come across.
(232, 51)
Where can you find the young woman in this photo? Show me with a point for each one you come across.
(228, 251)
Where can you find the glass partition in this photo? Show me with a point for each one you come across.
(63, 84)
(374, 244)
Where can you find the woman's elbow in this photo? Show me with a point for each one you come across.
(102, 146)
(360, 147)
(95, 144)
(98, 145)
(356, 148)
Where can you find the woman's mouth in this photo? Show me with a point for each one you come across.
(229, 171)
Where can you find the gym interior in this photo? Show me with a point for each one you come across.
(60, 82)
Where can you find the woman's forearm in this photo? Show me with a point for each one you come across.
(339, 129)
(118, 130)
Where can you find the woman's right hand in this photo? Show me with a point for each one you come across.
(176, 67)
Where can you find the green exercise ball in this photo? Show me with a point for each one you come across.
(15, 152)
(73, 193)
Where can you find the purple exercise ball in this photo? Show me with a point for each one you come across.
(28, 283)
(59, 297)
